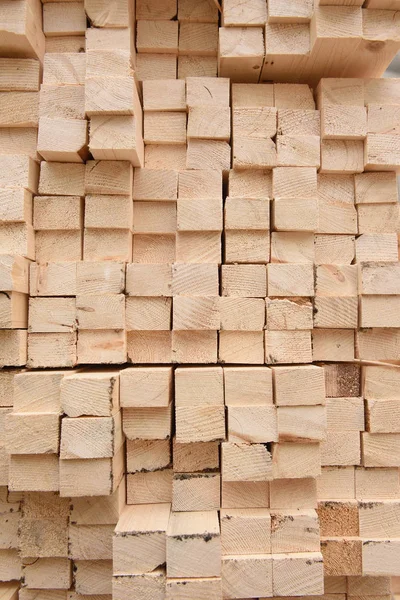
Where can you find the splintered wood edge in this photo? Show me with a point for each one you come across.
(217, 4)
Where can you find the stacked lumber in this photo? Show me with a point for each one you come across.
(63, 138)
(91, 442)
(146, 402)
(358, 492)
(176, 39)
(209, 271)
(111, 98)
(268, 449)
(303, 41)
(62, 125)
(63, 438)
(63, 432)
(10, 561)
(62, 542)
(21, 29)
(302, 165)
(64, 26)
(278, 40)
(263, 473)
(19, 113)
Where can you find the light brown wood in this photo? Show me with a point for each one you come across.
(188, 552)
(116, 138)
(41, 433)
(292, 247)
(297, 423)
(101, 96)
(339, 518)
(291, 12)
(94, 576)
(248, 385)
(293, 493)
(376, 483)
(13, 348)
(13, 310)
(342, 555)
(19, 109)
(21, 29)
(199, 423)
(68, 43)
(294, 531)
(195, 457)
(203, 588)
(157, 36)
(64, 68)
(138, 282)
(63, 18)
(90, 437)
(34, 472)
(164, 128)
(380, 558)
(164, 95)
(198, 39)
(147, 454)
(16, 206)
(199, 66)
(103, 14)
(141, 531)
(247, 575)
(146, 387)
(143, 488)
(37, 392)
(73, 132)
(52, 315)
(196, 491)
(9, 591)
(100, 510)
(245, 494)
(155, 66)
(19, 74)
(150, 584)
(166, 9)
(341, 448)
(296, 460)
(147, 423)
(240, 53)
(253, 424)
(293, 385)
(306, 573)
(246, 462)
(300, 277)
(82, 477)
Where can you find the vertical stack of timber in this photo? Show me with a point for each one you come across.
(56, 441)
(176, 39)
(19, 114)
(270, 458)
(100, 302)
(21, 50)
(358, 492)
(10, 560)
(58, 207)
(116, 144)
(139, 546)
(82, 456)
(111, 99)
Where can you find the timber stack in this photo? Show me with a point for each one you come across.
(200, 300)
